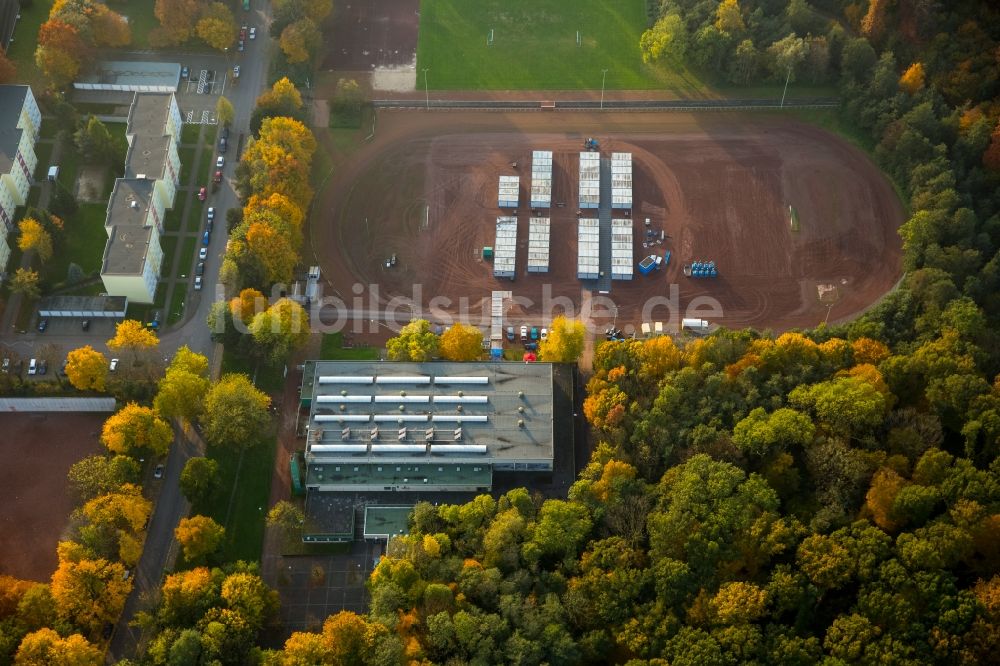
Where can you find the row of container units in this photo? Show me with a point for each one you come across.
(588, 249)
(541, 179)
(590, 180)
(621, 181)
(538, 245)
(505, 248)
(509, 191)
(621, 249)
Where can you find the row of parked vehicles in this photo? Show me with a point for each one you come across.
(529, 338)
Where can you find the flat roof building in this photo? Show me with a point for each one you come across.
(435, 426)
(538, 245)
(621, 181)
(588, 249)
(590, 180)
(541, 179)
(20, 122)
(132, 75)
(505, 248)
(621, 250)
(509, 192)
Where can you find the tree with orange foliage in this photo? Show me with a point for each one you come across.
(912, 80)
(109, 28)
(177, 19)
(879, 500)
(88, 592)
(246, 306)
(874, 23)
(867, 350)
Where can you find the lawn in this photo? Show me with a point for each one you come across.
(186, 155)
(169, 246)
(332, 349)
(176, 312)
(172, 220)
(268, 378)
(83, 243)
(44, 153)
(534, 45)
(245, 482)
(186, 257)
(189, 134)
(141, 19)
(205, 168)
(22, 51)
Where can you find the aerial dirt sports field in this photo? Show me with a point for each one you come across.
(720, 186)
(35, 501)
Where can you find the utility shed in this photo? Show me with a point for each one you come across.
(621, 249)
(590, 180)
(509, 191)
(588, 249)
(538, 245)
(505, 248)
(621, 181)
(541, 179)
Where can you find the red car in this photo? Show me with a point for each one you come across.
(202, 194)
(218, 177)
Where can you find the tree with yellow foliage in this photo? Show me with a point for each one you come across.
(235, 412)
(25, 282)
(135, 427)
(132, 336)
(45, 647)
(869, 351)
(278, 204)
(565, 341)
(199, 536)
(87, 369)
(300, 40)
(217, 27)
(184, 386)
(116, 522)
(88, 592)
(461, 342)
(35, 238)
(728, 17)
(281, 328)
(249, 594)
(912, 80)
(110, 28)
(247, 305)
(739, 602)
(272, 251)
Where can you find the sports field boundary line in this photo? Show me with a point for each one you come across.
(616, 105)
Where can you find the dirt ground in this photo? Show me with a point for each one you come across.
(38, 450)
(718, 184)
(364, 34)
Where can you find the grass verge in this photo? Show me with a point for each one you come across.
(186, 257)
(332, 349)
(176, 311)
(83, 244)
(245, 482)
(169, 246)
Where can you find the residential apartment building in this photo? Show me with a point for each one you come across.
(20, 122)
(133, 255)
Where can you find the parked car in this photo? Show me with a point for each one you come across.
(225, 130)
(545, 334)
(203, 252)
(236, 71)
(42, 325)
(114, 365)
(211, 213)
(157, 474)
(524, 333)
(510, 334)
(202, 194)
(223, 145)
(220, 162)
(6, 364)
(43, 367)
(200, 268)
(253, 33)
(243, 32)
(206, 238)
(197, 283)
(209, 226)
(184, 73)
(534, 332)
(32, 367)
(217, 178)
(85, 324)
(239, 45)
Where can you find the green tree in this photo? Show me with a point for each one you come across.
(286, 518)
(235, 413)
(200, 480)
(762, 434)
(415, 342)
(94, 141)
(845, 405)
(745, 63)
(666, 39)
(785, 55)
(99, 475)
(224, 111)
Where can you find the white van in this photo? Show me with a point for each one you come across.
(32, 367)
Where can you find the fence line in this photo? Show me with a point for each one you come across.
(614, 105)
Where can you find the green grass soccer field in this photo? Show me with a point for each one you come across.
(534, 45)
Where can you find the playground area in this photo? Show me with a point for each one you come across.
(719, 187)
(38, 450)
